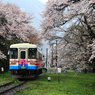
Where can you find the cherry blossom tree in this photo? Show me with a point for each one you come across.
(74, 47)
(16, 22)
(59, 12)
(79, 16)
(36, 37)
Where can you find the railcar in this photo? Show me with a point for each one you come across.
(25, 60)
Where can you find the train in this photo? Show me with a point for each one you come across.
(25, 60)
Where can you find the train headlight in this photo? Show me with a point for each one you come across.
(31, 63)
(13, 63)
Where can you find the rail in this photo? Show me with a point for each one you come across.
(5, 88)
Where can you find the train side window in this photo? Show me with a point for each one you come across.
(40, 56)
(23, 54)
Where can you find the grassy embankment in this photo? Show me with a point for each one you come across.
(61, 84)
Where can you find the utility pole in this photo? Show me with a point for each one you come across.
(56, 54)
(46, 56)
(52, 56)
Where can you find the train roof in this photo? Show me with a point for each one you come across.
(23, 45)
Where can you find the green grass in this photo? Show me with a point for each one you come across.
(5, 77)
(61, 84)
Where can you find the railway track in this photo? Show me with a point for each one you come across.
(8, 88)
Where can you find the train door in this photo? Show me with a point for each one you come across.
(22, 55)
(23, 59)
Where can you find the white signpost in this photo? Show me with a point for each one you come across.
(59, 71)
(2, 69)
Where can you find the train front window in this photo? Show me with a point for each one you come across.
(13, 53)
(32, 53)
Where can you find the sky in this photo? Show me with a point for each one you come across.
(43, 1)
